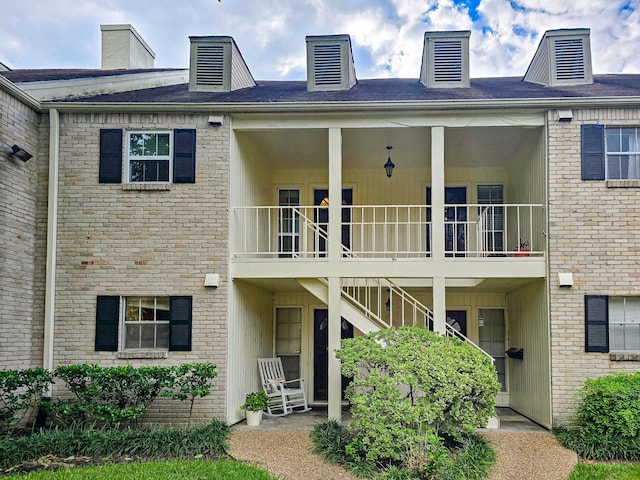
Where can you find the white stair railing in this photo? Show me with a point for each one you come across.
(388, 305)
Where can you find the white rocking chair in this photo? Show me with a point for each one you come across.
(282, 399)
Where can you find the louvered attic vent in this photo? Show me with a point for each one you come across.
(569, 59)
(210, 65)
(563, 57)
(445, 59)
(328, 67)
(217, 65)
(329, 63)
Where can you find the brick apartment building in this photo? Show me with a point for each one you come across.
(170, 215)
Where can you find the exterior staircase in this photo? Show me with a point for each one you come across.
(363, 306)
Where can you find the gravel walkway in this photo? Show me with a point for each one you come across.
(521, 455)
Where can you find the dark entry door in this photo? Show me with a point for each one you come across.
(458, 320)
(455, 218)
(321, 353)
(322, 216)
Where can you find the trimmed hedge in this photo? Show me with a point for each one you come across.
(606, 423)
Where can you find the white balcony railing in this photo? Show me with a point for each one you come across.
(398, 231)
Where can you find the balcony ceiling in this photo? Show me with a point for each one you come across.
(366, 148)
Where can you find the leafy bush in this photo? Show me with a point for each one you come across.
(193, 380)
(20, 391)
(412, 390)
(471, 460)
(109, 396)
(210, 439)
(606, 423)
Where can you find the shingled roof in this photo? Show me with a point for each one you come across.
(380, 90)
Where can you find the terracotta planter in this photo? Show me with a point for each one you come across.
(254, 418)
(523, 252)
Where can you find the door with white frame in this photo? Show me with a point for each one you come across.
(492, 339)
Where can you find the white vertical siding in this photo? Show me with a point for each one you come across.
(529, 379)
(250, 337)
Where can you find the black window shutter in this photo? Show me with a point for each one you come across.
(110, 155)
(180, 323)
(107, 321)
(596, 323)
(184, 156)
(592, 143)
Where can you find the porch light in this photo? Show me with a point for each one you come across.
(389, 166)
(20, 153)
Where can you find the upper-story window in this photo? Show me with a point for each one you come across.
(149, 155)
(162, 156)
(143, 322)
(622, 153)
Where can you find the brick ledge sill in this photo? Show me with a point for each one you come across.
(624, 356)
(142, 354)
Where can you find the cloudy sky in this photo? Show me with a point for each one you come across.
(386, 35)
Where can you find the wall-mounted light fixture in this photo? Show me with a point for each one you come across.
(389, 166)
(20, 153)
(565, 115)
(216, 120)
(212, 280)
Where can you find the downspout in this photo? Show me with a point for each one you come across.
(52, 232)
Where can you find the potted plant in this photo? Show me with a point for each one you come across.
(255, 403)
(523, 249)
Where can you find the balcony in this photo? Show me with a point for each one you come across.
(382, 231)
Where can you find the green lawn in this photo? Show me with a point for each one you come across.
(605, 471)
(158, 470)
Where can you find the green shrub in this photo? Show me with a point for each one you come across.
(411, 390)
(192, 380)
(20, 391)
(610, 405)
(210, 439)
(109, 396)
(606, 423)
(472, 459)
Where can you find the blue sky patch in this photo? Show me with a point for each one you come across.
(472, 7)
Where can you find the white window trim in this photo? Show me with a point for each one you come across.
(169, 157)
(629, 153)
(622, 323)
(124, 323)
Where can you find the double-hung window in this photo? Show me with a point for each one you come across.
(622, 153)
(149, 156)
(146, 322)
(143, 323)
(612, 323)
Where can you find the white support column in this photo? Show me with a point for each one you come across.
(335, 253)
(437, 225)
(335, 194)
(439, 305)
(334, 409)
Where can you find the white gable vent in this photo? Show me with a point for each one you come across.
(329, 63)
(563, 57)
(217, 65)
(445, 59)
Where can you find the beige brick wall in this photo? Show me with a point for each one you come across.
(20, 327)
(594, 232)
(114, 241)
